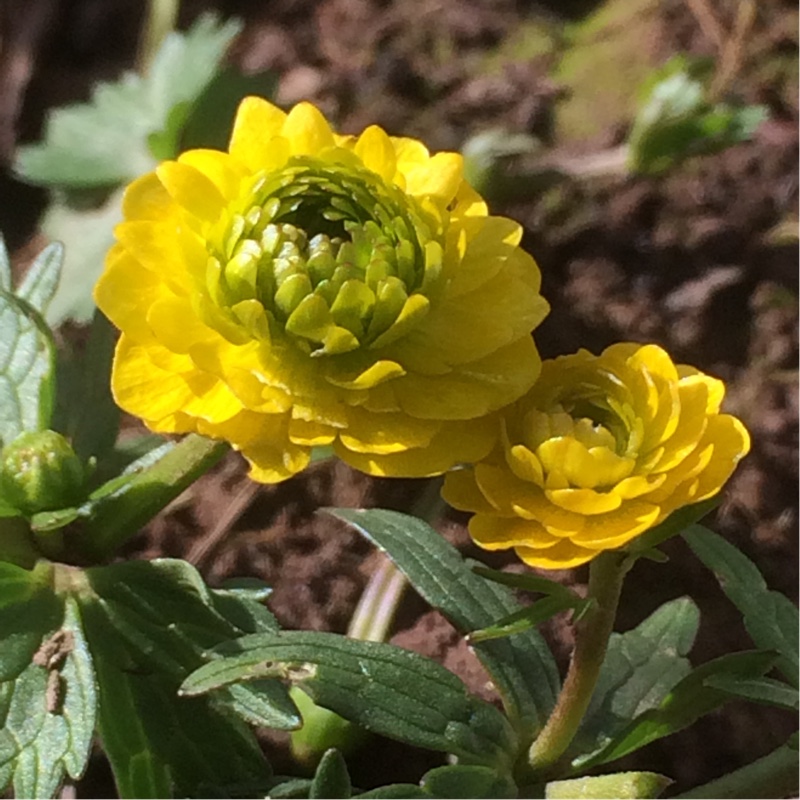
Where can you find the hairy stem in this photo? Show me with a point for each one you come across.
(606, 575)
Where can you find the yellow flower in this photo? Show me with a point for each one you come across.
(599, 451)
(308, 288)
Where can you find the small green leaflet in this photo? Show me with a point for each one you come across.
(27, 351)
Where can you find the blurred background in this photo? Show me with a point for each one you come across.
(548, 101)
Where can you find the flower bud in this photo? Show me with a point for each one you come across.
(40, 472)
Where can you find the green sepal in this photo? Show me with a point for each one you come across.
(331, 780)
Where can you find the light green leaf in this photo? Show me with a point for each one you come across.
(27, 351)
(368, 684)
(50, 713)
(121, 116)
(620, 785)
(526, 618)
(522, 667)
(641, 667)
(771, 619)
(22, 627)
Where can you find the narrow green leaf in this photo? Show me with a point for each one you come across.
(675, 523)
(641, 667)
(619, 785)
(467, 781)
(527, 582)
(289, 788)
(395, 791)
(689, 700)
(5, 267)
(331, 780)
(771, 619)
(522, 667)
(759, 690)
(525, 619)
(265, 704)
(368, 684)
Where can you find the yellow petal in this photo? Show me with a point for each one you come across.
(461, 491)
(500, 533)
(612, 530)
(307, 131)
(375, 149)
(439, 177)
(147, 199)
(310, 434)
(175, 325)
(584, 501)
(374, 375)
(385, 433)
(218, 167)
(564, 555)
(731, 443)
(254, 130)
(192, 190)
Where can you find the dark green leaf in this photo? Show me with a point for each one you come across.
(689, 700)
(467, 781)
(759, 690)
(331, 779)
(641, 667)
(27, 351)
(265, 704)
(368, 684)
(395, 791)
(527, 582)
(525, 618)
(22, 628)
(16, 586)
(122, 116)
(149, 625)
(290, 788)
(522, 667)
(771, 619)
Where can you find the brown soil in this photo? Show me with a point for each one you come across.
(699, 261)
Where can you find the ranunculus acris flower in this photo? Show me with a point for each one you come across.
(308, 288)
(599, 451)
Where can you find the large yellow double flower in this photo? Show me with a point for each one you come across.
(600, 450)
(307, 288)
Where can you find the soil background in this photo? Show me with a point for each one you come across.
(702, 261)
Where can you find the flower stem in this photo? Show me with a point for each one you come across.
(606, 575)
(160, 19)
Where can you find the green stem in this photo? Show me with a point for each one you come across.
(378, 604)
(122, 514)
(606, 575)
(161, 17)
(774, 775)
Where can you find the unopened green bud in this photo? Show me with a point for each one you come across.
(40, 472)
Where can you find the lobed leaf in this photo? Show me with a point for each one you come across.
(522, 667)
(771, 619)
(369, 684)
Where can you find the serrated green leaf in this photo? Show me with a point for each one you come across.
(331, 780)
(467, 781)
(689, 700)
(50, 712)
(368, 683)
(121, 116)
(619, 785)
(27, 367)
(759, 690)
(771, 619)
(522, 667)
(641, 667)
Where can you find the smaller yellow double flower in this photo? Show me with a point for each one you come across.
(600, 450)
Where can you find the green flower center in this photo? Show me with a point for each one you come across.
(328, 255)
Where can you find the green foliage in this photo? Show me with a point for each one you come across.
(331, 779)
(522, 667)
(128, 122)
(27, 351)
(620, 785)
(368, 684)
(676, 120)
(771, 619)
